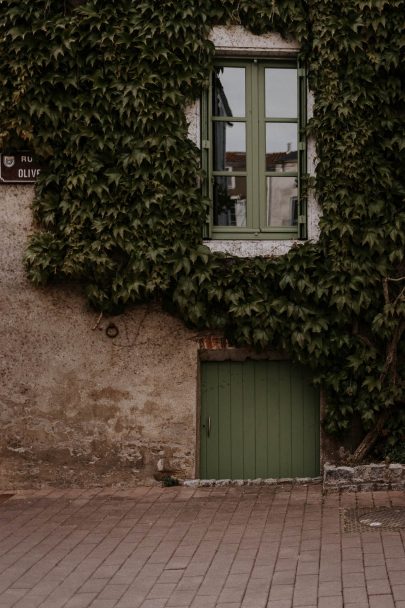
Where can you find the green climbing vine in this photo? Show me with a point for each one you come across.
(98, 91)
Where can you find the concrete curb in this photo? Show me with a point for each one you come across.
(208, 483)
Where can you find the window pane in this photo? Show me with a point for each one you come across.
(281, 92)
(281, 146)
(229, 201)
(229, 146)
(282, 201)
(229, 92)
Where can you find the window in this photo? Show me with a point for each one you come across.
(254, 150)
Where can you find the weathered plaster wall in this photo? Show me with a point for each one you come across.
(78, 407)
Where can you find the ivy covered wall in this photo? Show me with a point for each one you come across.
(98, 92)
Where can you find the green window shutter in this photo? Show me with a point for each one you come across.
(302, 152)
(205, 162)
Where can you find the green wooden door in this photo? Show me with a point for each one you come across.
(258, 419)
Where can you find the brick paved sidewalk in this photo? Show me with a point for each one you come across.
(250, 547)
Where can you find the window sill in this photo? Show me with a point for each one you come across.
(248, 247)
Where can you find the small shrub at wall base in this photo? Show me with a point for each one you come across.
(169, 482)
(98, 92)
(395, 453)
(392, 443)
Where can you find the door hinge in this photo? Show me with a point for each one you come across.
(206, 144)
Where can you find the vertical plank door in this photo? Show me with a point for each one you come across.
(258, 419)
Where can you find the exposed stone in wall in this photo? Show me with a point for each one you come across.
(364, 477)
(213, 342)
(77, 407)
(193, 117)
(237, 39)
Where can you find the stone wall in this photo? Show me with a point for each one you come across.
(364, 477)
(78, 407)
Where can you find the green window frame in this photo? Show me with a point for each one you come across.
(258, 173)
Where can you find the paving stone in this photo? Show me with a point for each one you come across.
(377, 559)
(352, 565)
(81, 600)
(329, 589)
(381, 601)
(399, 591)
(279, 604)
(204, 602)
(378, 587)
(284, 577)
(352, 595)
(353, 579)
(281, 592)
(153, 603)
(375, 572)
(308, 567)
(397, 577)
(333, 601)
